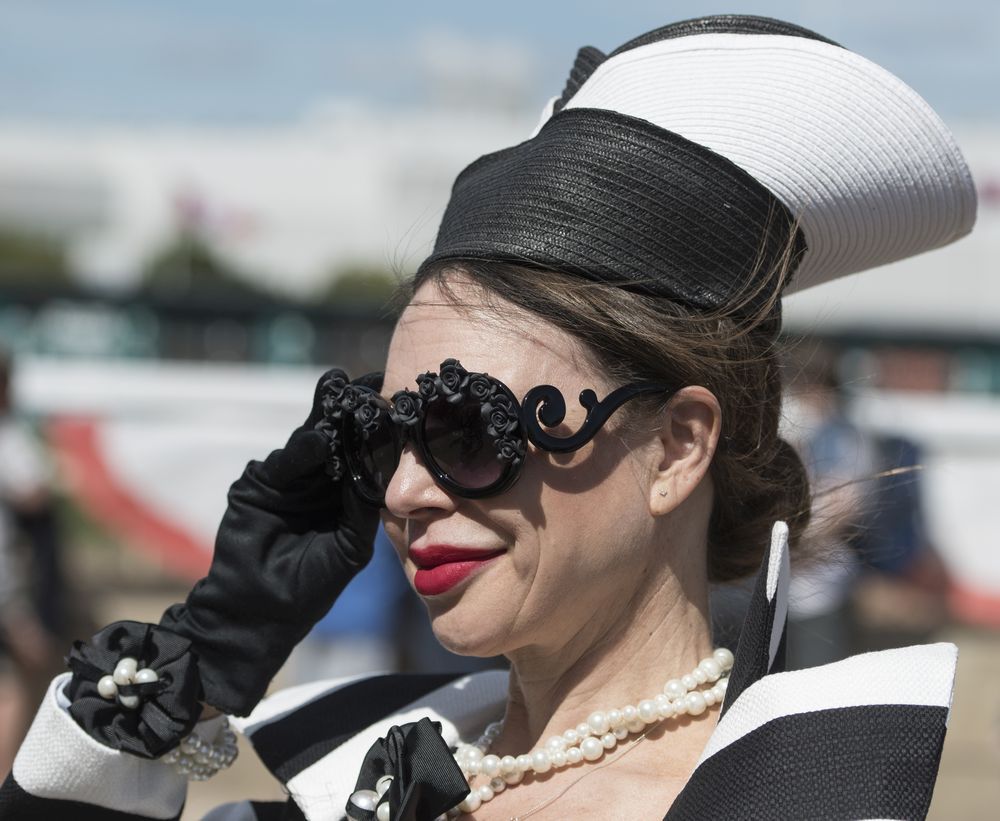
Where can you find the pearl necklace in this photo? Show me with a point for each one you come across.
(590, 739)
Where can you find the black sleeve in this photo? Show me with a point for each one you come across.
(18, 805)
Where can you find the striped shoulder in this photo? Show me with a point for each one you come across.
(860, 738)
(314, 738)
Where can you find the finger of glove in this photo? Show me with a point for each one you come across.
(357, 522)
(316, 411)
(371, 380)
(303, 456)
(307, 449)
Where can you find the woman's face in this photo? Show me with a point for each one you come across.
(567, 542)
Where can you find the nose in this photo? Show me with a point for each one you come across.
(412, 492)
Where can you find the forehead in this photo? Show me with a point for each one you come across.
(493, 337)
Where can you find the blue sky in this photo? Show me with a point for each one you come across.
(247, 61)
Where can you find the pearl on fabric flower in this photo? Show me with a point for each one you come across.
(383, 812)
(364, 799)
(383, 784)
(145, 676)
(591, 748)
(129, 702)
(107, 688)
(724, 657)
(125, 670)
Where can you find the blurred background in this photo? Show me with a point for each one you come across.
(205, 204)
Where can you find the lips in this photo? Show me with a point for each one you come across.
(442, 567)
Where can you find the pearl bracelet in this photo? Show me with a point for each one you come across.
(198, 759)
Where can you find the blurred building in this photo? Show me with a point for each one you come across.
(287, 204)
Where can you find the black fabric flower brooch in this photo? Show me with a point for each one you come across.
(135, 688)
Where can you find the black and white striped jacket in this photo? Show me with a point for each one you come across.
(858, 739)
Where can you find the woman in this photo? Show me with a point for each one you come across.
(632, 253)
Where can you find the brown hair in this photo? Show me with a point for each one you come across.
(758, 477)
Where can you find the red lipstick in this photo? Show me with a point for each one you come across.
(442, 567)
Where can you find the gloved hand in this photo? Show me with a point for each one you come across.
(290, 541)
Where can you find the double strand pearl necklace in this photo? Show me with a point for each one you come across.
(591, 739)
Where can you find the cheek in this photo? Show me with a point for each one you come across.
(593, 525)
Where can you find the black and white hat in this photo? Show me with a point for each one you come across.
(693, 159)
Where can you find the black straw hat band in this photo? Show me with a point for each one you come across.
(615, 199)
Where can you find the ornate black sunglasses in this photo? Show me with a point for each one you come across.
(470, 431)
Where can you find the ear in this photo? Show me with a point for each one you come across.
(688, 438)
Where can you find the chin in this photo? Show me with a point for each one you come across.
(463, 631)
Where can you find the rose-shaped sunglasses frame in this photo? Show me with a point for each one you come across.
(353, 413)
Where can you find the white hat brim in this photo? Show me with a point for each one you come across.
(861, 160)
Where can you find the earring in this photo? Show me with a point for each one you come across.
(662, 492)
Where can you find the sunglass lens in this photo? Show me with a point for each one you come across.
(456, 439)
(374, 456)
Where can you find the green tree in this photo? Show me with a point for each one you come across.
(361, 286)
(189, 266)
(32, 259)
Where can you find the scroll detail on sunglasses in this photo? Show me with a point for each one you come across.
(468, 428)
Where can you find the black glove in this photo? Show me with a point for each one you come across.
(290, 541)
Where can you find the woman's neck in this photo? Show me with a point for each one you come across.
(613, 660)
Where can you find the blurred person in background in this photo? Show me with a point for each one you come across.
(841, 462)
(27, 648)
(901, 594)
